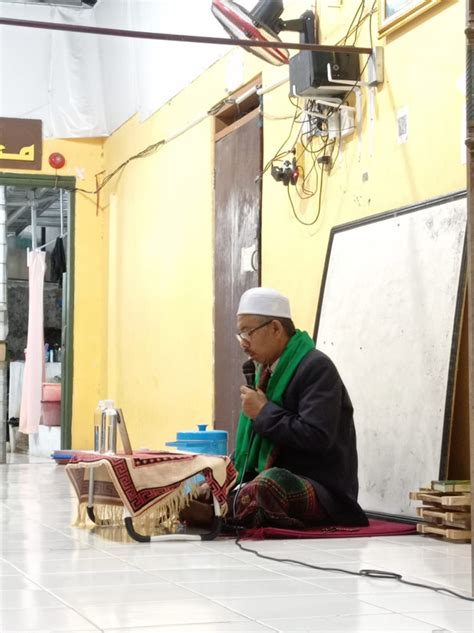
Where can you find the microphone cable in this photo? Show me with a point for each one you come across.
(244, 470)
(364, 573)
(248, 369)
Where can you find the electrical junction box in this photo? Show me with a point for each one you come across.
(340, 124)
(309, 73)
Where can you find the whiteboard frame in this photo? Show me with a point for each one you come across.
(460, 297)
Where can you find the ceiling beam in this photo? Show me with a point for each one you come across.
(173, 37)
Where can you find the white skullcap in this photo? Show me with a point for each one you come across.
(264, 302)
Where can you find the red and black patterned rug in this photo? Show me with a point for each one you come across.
(376, 527)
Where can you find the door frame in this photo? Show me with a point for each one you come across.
(68, 183)
(225, 123)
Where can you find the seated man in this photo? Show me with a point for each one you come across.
(296, 441)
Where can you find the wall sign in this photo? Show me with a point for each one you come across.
(21, 143)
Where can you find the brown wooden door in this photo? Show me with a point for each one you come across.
(238, 159)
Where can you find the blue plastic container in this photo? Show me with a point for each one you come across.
(201, 441)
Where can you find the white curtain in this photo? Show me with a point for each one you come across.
(85, 85)
(33, 377)
(50, 75)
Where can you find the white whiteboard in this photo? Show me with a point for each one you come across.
(389, 319)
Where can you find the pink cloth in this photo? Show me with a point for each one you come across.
(33, 377)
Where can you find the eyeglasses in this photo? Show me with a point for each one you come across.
(244, 337)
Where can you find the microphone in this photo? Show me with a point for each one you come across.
(248, 369)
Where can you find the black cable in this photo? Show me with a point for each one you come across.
(148, 151)
(355, 17)
(143, 154)
(244, 470)
(308, 193)
(364, 573)
(333, 162)
(356, 83)
(352, 29)
(359, 23)
(319, 205)
(278, 153)
(361, 6)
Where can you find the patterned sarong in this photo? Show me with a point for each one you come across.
(161, 483)
(278, 498)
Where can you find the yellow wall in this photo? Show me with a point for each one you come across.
(160, 279)
(83, 161)
(419, 74)
(160, 210)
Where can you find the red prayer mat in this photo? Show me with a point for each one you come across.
(376, 527)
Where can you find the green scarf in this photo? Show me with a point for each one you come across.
(261, 448)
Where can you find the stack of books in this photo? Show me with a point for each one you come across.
(445, 510)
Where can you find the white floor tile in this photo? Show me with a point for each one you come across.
(353, 624)
(183, 561)
(43, 556)
(29, 620)
(412, 603)
(285, 546)
(301, 571)
(130, 552)
(7, 570)
(391, 555)
(265, 608)
(25, 546)
(123, 594)
(26, 599)
(355, 585)
(55, 578)
(447, 565)
(457, 621)
(243, 588)
(220, 575)
(97, 579)
(219, 627)
(34, 567)
(18, 583)
(165, 612)
(461, 583)
(307, 556)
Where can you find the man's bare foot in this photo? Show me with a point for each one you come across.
(198, 514)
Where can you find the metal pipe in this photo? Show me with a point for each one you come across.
(50, 241)
(90, 495)
(248, 93)
(61, 210)
(16, 214)
(264, 89)
(103, 433)
(31, 195)
(172, 37)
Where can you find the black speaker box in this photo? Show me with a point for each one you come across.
(309, 75)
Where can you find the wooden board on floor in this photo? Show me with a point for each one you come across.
(452, 519)
(449, 534)
(433, 497)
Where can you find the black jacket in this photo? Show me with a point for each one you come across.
(315, 435)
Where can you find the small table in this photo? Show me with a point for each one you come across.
(157, 481)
